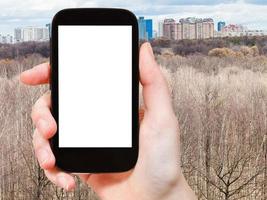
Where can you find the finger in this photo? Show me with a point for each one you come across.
(60, 178)
(43, 151)
(157, 100)
(42, 117)
(37, 75)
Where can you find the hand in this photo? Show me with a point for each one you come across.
(157, 174)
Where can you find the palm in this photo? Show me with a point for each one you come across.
(150, 171)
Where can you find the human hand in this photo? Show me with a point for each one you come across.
(157, 174)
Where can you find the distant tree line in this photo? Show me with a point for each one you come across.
(10, 51)
(190, 47)
(181, 47)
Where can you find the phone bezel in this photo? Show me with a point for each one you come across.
(95, 160)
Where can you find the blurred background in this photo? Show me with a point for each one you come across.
(214, 57)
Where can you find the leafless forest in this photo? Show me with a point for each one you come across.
(221, 105)
(220, 100)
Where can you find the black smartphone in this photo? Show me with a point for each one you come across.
(94, 89)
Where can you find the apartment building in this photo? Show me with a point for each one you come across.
(188, 28)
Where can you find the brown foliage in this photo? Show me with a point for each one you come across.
(11, 51)
(191, 47)
(222, 52)
(221, 106)
(244, 51)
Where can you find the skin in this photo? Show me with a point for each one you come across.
(157, 174)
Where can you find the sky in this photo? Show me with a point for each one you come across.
(251, 13)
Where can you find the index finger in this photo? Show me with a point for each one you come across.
(37, 75)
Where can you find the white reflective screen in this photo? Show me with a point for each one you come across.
(95, 84)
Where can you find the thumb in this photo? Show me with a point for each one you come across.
(157, 100)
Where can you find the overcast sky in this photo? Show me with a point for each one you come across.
(252, 13)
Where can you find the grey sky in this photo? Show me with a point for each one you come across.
(252, 13)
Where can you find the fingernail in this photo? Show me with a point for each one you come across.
(23, 74)
(43, 156)
(62, 181)
(150, 49)
(42, 126)
(38, 66)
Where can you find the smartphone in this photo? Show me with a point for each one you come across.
(94, 89)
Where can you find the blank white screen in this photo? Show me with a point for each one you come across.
(95, 84)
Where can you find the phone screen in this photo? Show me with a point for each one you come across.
(95, 85)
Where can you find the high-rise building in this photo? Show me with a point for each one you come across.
(31, 34)
(145, 28)
(142, 28)
(199, 29)
(160, 29)
(149, 29)
(220, 26)
(48, 26)
(27, 34)
(208, 28)
(41, 34)
(18, 35)
(185, 30)
(169, 29)
(188, 28)
(179, 31)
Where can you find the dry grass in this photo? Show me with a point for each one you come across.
(221, 105)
